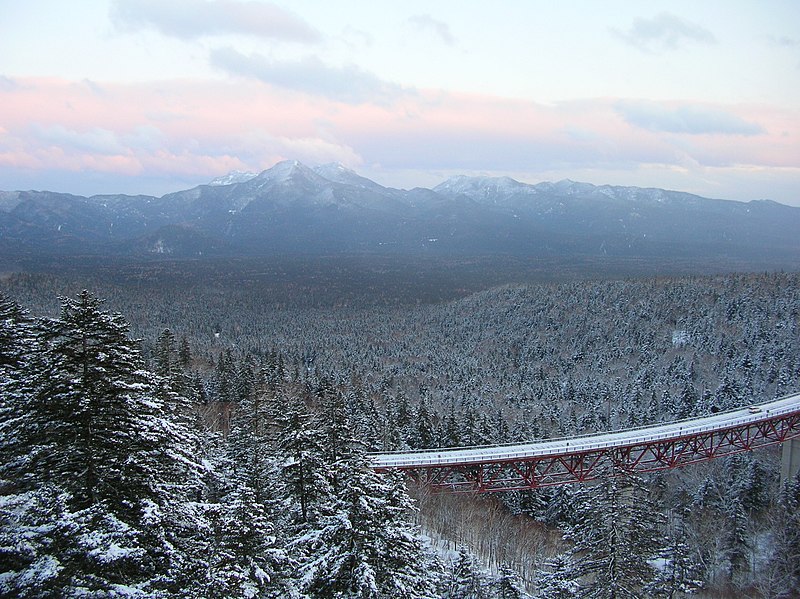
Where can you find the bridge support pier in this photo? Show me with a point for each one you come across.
(790, 460)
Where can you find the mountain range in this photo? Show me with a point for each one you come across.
(293, 209)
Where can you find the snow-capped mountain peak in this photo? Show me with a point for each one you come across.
(288, 173)
(338, 173)
(233, 177)
(480, 187)
(282, 171)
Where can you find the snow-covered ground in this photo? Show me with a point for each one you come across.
(564, 446)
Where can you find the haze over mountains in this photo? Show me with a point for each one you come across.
(294, 209)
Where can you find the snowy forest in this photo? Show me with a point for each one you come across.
(174, 440)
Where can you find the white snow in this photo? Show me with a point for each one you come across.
(680, 338)
(233, 177)
(482, 187)
(160, 247)
(40, 571)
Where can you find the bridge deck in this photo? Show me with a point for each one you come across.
(444, 457)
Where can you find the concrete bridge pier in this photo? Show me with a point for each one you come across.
(790, 460)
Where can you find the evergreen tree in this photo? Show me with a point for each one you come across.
(338, 441)
(244, 384)
(556, 580)
(403, 421)
(782, 577)
(466, 580)
(560, 505)
(615, 538)
(304, 474)
(35, 528)
(680, 575)
(392, 434)
(249, 447)
(243, 554)
(509, 585)
(92, 427)
(363, 415)
(184, 352)
(17, 335)
(242, 557)
(469, 425)
(424, 435)
(735, 542)
(451, 432)
(501, 433)
(223, 383)
(750, 484)
(18, 341)
(366, 548)
(165, 357)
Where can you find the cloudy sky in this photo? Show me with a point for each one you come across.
(152, 96)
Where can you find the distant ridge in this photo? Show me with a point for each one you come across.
(293, 209)
(233, 177)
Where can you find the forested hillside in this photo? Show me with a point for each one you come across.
(223, 455)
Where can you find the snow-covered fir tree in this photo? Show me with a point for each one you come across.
(90, 434)
(508, 584)
(679, 575)
(304, 474)
(241, 553)
(465, 579)
(782, 575)
(366, 548)
(18, 337)
(556, 580)
(615, 540)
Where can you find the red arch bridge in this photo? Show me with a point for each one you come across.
(588, 457)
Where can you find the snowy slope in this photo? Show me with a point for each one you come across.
(232, 178)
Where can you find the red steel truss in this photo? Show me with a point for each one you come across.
(498, 472)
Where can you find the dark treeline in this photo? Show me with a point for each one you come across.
(243, 416)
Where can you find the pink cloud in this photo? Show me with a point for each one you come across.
(197, 130)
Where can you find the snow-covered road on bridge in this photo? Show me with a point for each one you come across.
(573, 445)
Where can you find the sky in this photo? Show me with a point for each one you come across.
(154, 96)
